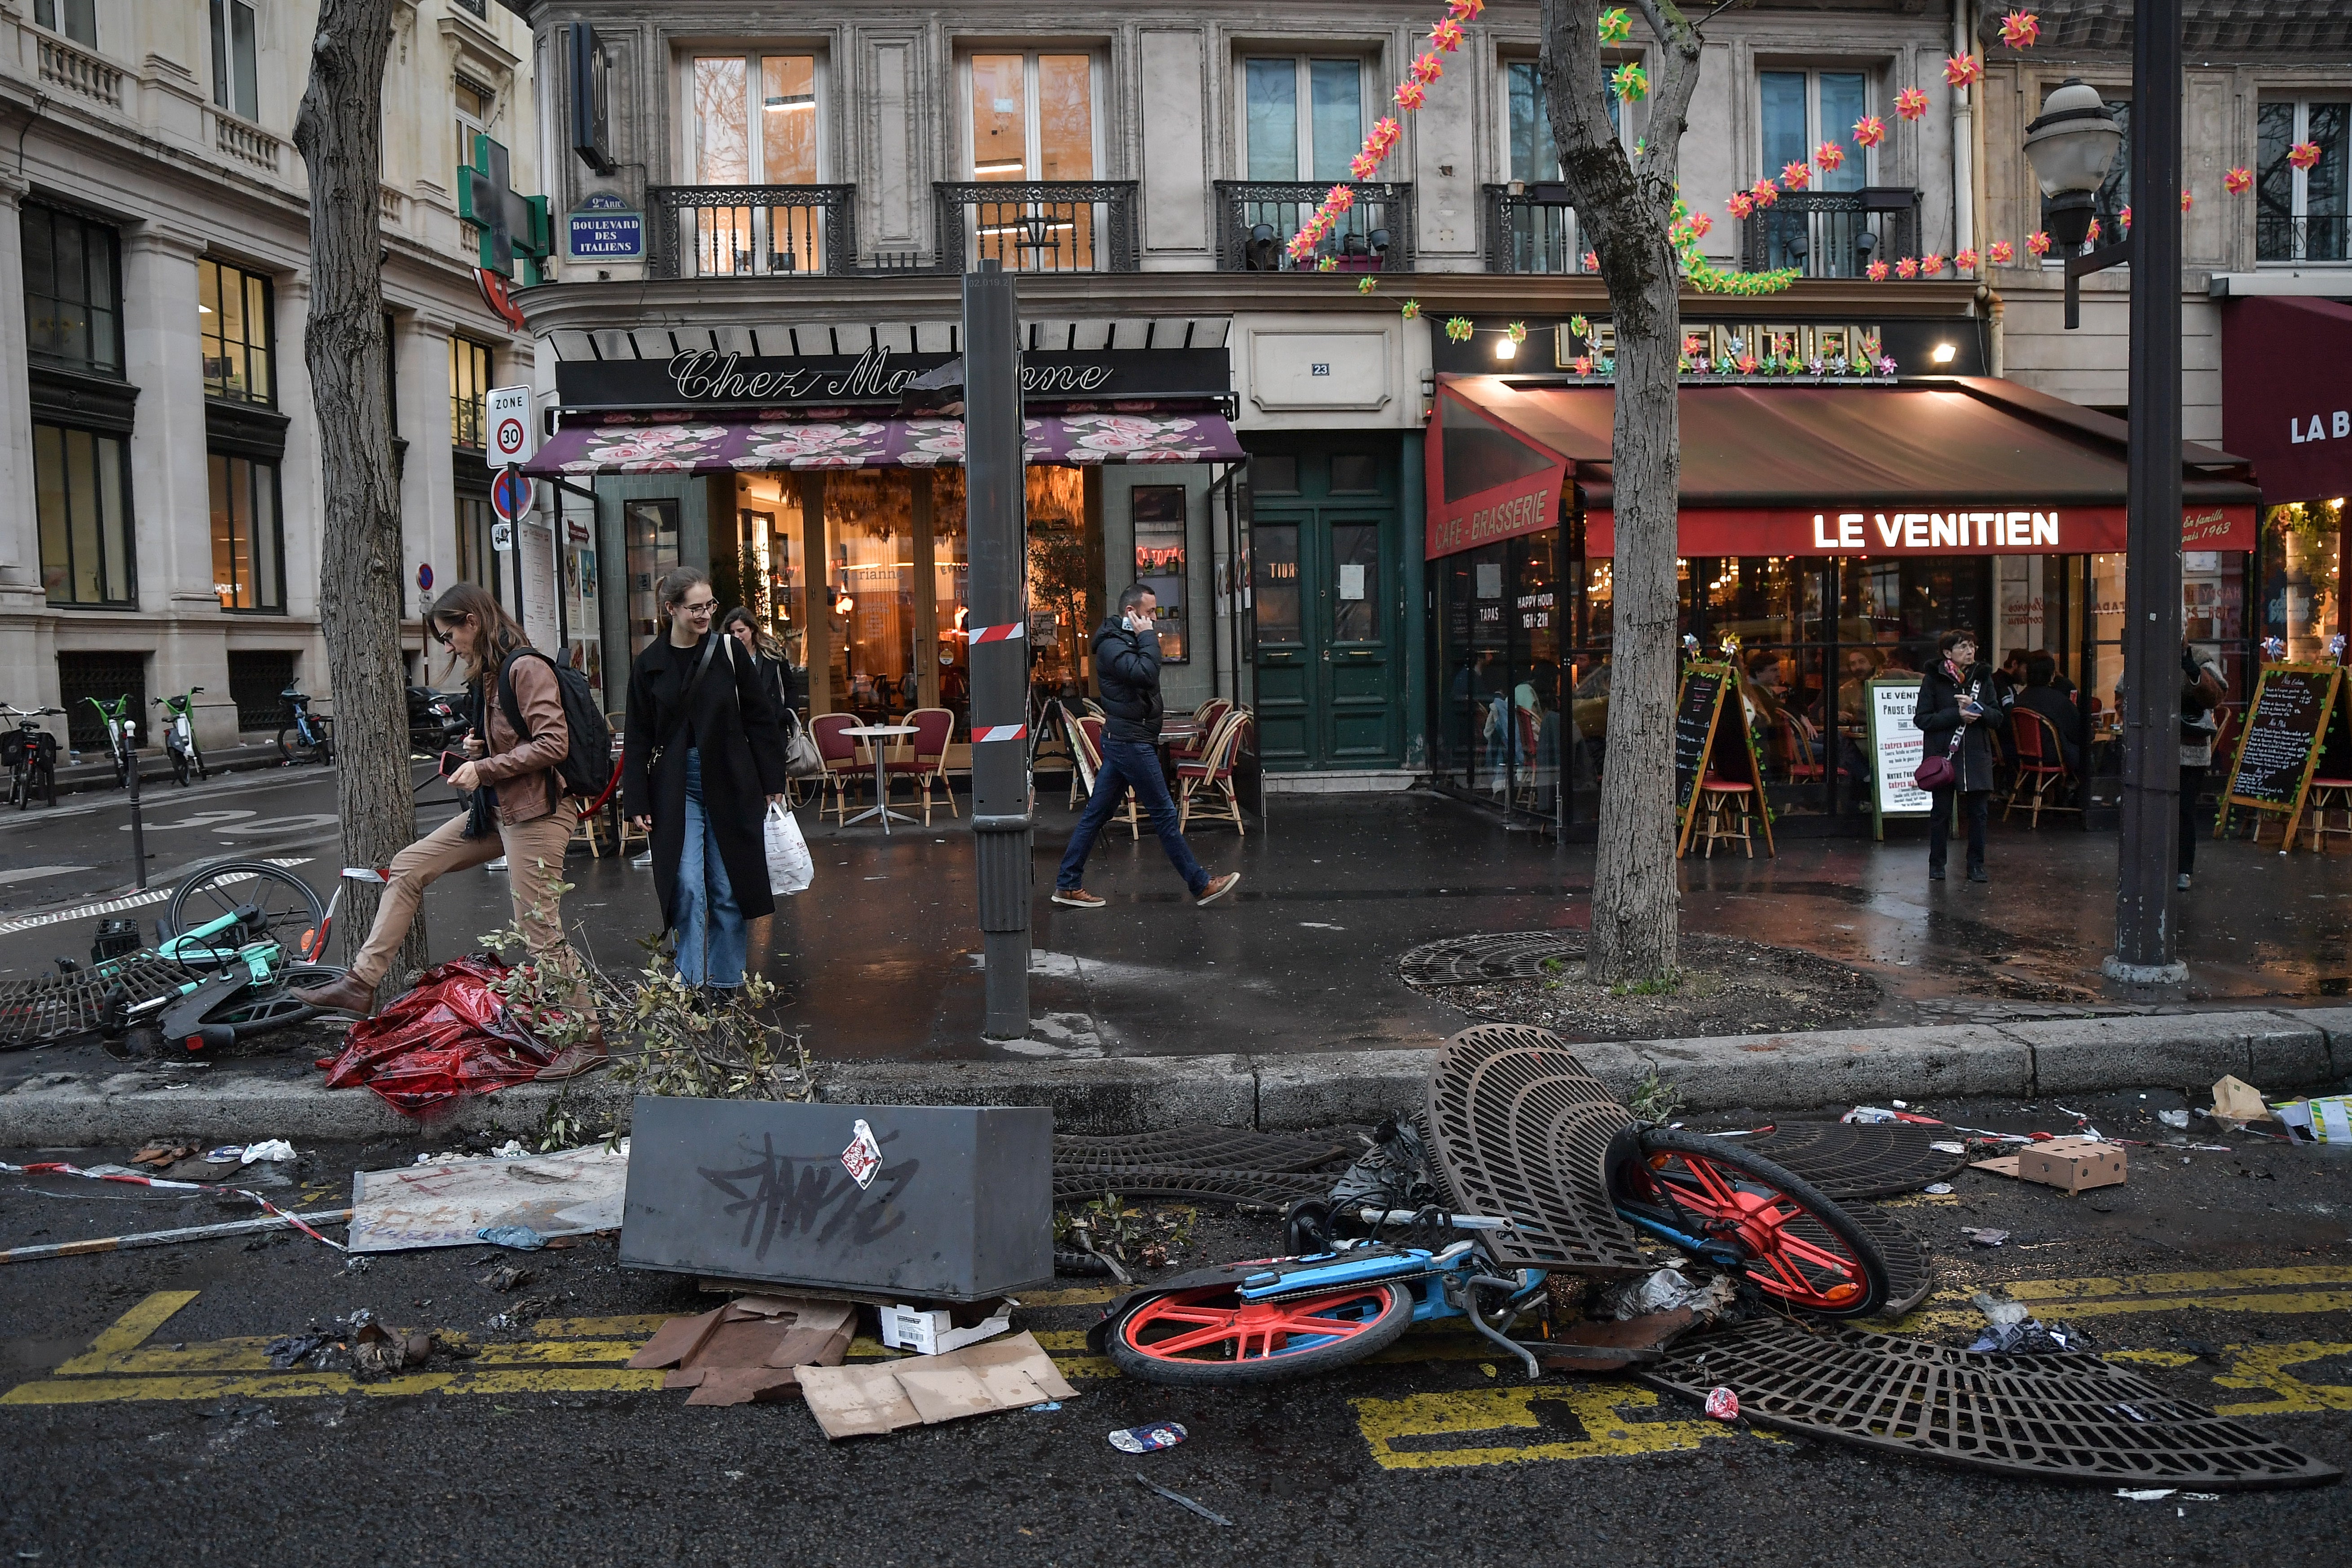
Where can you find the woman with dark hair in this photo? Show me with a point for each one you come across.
(775, 669)
(525, 817)
(703, 757)
(1957, 698)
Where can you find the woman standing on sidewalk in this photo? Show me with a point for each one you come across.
(526, 818)
(1957, 696)
(703, 757)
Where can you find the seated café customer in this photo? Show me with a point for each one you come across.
(2043, 696)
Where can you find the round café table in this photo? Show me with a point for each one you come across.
(872, 734)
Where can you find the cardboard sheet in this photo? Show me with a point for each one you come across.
(574, 1192)
(883, 1396)
(749, 1350)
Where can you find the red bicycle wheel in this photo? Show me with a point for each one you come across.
(1795, 1246)
(1209, 1336)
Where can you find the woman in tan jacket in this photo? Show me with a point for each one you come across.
(535, 825)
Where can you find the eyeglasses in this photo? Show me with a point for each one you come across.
(704, 608)
(442, 638)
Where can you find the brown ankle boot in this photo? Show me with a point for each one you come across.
(349, 995)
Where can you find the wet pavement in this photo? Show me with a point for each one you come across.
(878, 959)
(144, 1424)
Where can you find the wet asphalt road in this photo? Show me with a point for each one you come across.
(2227, 1278)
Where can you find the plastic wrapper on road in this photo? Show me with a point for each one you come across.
(450, 1038)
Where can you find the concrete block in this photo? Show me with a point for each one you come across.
(2335, 1026)
(128, 1108)
(1114, 1094)
(1837, 1068)
(2180, 1050)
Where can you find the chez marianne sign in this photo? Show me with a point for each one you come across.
(707, 379)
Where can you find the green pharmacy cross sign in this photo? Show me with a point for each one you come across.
(511, 225)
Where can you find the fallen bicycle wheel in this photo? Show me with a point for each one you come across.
(284, 906)
(1208, 1337)
(1794, 1244)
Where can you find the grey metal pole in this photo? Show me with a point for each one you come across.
(996, 508)
(137, 825)
(2150, 852)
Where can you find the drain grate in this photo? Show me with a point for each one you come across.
(1860, 1160)
(2056, 1417)
(1479, 960)
(59, 1007)
(1198, 1148)
(1271, 1190)
(1910, 1273)
(1522, 1131)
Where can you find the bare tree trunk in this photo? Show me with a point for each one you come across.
(339, 132)
(1622, 209)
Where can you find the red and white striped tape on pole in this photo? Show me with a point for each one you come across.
(58, 1168)
(998, 634)
(1000, 733)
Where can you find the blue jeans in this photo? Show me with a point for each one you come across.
(1131, 764)
(712, 938)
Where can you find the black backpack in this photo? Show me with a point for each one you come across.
(587, 768)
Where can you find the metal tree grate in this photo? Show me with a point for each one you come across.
(1860, 1160)
(1910, 1273)
(60, 1006)
(1275, 1190)
(1522, 1132)
(2057, 1417)
(1197, 1148)
(1481, 960)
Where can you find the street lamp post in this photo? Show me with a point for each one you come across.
(2071, 145)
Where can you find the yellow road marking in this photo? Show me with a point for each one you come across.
(131, 1330)
(1395, 1428)
(639, 1325)
(2174, 1284)
(323, 1384)
(2264, 1366)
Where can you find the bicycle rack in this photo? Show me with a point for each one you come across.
(2054, 1417)
(1522, 1132)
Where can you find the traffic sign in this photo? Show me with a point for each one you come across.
(509, 495)
(502, 537)
(512, 440)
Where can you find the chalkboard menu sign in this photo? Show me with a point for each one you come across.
(2285, 726)
(1696, 712)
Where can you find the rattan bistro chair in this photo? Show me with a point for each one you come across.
(927, 758)
(838, 751)
(1087, 735)
(1212, 774)
(2041, 765)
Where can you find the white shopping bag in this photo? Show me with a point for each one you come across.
(790, 869)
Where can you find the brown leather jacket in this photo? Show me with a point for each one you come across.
(524, 771)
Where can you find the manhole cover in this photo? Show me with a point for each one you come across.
(1197, 1148)
(2060, 1417)
(1480, 959)
(1860, 1160)
(1910, 1276)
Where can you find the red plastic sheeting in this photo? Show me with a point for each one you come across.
(450, 1038)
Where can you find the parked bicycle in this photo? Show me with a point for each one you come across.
(122, 735)
(180, 736)
(307, 737)
(31, 752)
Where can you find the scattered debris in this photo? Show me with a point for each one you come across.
(2234, 1100)
(1667, 1290)
(1983, 1238)
(2145, 1494)
(521, 1237)
(276, 1150)
(979, 1380)
(451, 1037)
(1722, 1404)
(1182, 1500)
(2177, 1119)
(120, 1173)
(935, 1332)
(290, 1351)
(169, 1238)
(755, 1348)
(1942, 1146)
(507, 1277)
(161, 1154)
(1614, 1346)
(451, 1202)
(2070, 1165)
(1145, 1439)
(2027, 1337)
(1936, 1189)
(2327, 1120)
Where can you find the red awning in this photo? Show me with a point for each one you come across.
(1955, 467)
(710, 445)
(2285, 402)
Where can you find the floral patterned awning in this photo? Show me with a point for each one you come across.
(706, 447)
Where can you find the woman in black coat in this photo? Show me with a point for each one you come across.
(775, 670)
(702, 759)
(1958, 694)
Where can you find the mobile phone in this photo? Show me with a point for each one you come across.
(451, 761)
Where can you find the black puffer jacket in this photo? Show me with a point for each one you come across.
(1939, 714)
(1127, 667)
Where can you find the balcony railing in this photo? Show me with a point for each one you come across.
(248, 144)
(2280, 239)
(1037, 226)
(1832, 233)
(1532, 229)
(752, 231)
(1255, 219)
(81, 73)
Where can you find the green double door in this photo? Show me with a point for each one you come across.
(1324, 572)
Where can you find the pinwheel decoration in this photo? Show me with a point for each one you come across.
(1908, 267)
(1930, 264)
(1457, 329)
(1410, 310)
(2020, 29)
(1869, 131)
(1878, 271)
(1764, 193)
(1741, 203)
(2238, 180)
(1963, 70)
(1796, 176)
(1630, 82)
(1616, 26)
(1911, 103)
(2000, 253)
(1965, 261)
(2038, 241)
(1591, 259)
(1829, 156)
(1516, 331)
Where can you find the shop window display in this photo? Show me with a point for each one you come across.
(2303, 603)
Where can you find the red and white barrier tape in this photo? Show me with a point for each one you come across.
(57, 1168)
(998, 634)
(362, 874)
(1000, 732)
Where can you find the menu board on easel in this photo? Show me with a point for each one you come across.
(1896, 750)
(1707, 691)
(2287, 725)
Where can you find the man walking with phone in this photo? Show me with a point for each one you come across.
(1127, 664)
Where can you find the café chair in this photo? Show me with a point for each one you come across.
(1204, 728)
(926, 761)
(2041, 765)
(1213, 773)
(838, 751)
(2328, 794)
(1087, 733)
(1724, 805)
(1793, 748)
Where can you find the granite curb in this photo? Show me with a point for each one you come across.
(2278, 1050)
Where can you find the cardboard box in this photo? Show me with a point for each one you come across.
(2072, 1164)
(934, 1332)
